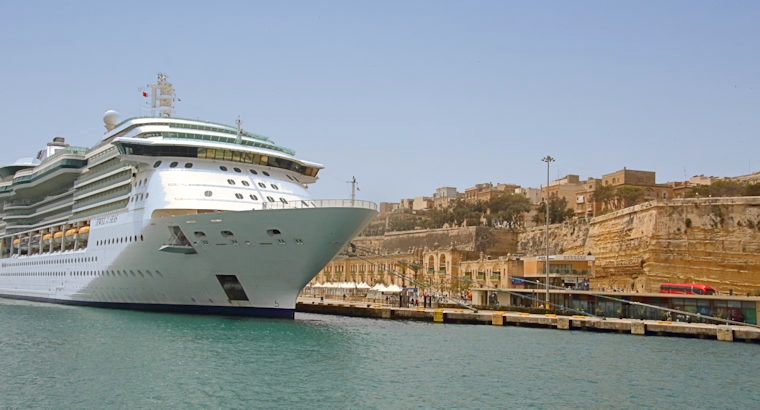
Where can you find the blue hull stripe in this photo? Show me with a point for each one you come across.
(158, 307)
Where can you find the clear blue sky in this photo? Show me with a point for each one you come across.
(407, 96)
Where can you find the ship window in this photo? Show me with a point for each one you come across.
(262, 185)
(273, 232)
(270, 199)
(253, 171)
(207, 193)
(304, 203)
(275, 187)
(156, 164)
(227, 234)
(173, 164)
(239, 196)
(236, 169)
(265, 173)
(188, 164)
(222, 167)
(199, 234)
(231, 182)
(254, 197)
(245, 183)
(283, 200)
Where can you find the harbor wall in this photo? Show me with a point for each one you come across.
(714, 241)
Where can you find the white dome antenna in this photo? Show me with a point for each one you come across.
(109, 119)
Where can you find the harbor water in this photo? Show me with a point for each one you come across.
(63, 357)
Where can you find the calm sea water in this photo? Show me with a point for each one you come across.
(80, 358)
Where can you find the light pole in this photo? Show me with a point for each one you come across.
(548, 159)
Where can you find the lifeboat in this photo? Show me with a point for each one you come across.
(71, 232)
(46, 237)
(35, 241)
(24, 243)
(84, 232)
(57, 235)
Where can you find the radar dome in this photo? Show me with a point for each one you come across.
(109, 118)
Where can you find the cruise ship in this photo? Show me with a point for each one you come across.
(169, 214)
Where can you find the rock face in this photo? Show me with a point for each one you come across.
(714, 241)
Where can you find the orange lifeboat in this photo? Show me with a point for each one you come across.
(71, 232)
(46, 237)
(84, 232)
(57, 235)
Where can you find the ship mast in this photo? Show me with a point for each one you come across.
(162, 97)
(354, 187)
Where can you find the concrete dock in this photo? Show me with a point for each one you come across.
(720, 332)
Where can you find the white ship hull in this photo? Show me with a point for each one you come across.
(169, 214)
(120, 270)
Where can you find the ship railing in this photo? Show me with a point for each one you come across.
(323, 203)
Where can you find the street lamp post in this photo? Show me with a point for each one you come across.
(548, 159)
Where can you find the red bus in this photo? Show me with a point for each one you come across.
(687, 289)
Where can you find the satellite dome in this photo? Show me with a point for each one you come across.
(109, 118)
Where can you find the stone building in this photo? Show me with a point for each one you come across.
(486, 191)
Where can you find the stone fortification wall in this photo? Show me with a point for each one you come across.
(715, 241)
(468, 240)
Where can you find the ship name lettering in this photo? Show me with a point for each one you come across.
(105, 220)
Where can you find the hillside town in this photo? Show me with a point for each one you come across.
(623, 232)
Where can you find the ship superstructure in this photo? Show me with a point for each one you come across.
(169, 214)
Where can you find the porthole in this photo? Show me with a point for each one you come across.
(289, 177)
(245, 183)
(236, 169)
(231, 182)
(199, 234)
(253, 171)
(262, 185)
(265, 173)
(283, 200)
(188, 164)
(207, 193)
(275, 187)
(239, 196)
(156, 164)
(222, 167)
(173, 164)
(273, 232)
(227, 234)
(254, 197)
(270, 199)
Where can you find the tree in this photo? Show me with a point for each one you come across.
(605, 195)
(629, 195)
(698, 191)
(508, 210)
(558, 211)
(752, 190)
(465, 213)
(726, 188)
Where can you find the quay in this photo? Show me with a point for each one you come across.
(642, 327)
